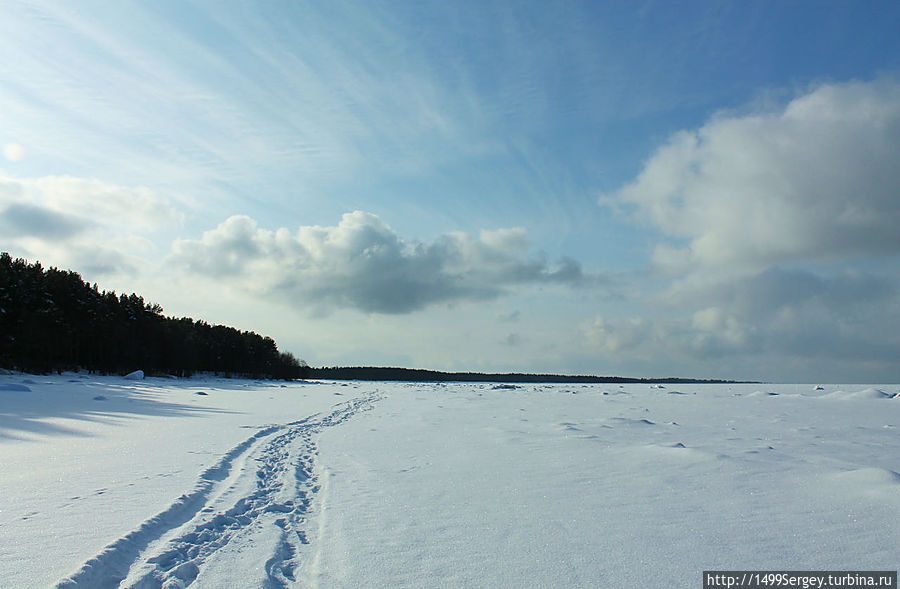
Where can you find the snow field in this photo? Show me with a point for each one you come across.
(589, 486)
(95, 466)
(211, 483)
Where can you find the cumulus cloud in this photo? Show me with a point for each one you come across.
(364, 264)
(92, 201)
(786, 315)
(816, 180)
(136, 207)
(779, 238)
(80, 223)
(618, 335)
(20, 219)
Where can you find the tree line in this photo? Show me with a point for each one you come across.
(51, 320)
(419, 375)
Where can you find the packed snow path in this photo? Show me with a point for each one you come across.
(255, 498)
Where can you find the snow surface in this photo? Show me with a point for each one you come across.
(233, 483)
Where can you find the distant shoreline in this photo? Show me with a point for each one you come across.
(373, 373)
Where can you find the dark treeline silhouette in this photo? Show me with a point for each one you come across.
(417, 375)
(51, 320)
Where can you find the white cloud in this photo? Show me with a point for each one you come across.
(774, 325)
(136, 207)
(817, 180)
(93, 201)
(618, 335)
(79, 223)
(780, 241)
(363, 264)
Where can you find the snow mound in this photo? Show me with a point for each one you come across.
(569, 426)
(16, 388)
(136, 375)
(627, 421)
(762, 394)
(868, 477)
(870, 393)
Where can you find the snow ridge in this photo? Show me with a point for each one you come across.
(229, 504)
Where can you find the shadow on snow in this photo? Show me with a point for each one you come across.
(35, 405)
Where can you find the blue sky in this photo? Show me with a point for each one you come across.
(701, 189)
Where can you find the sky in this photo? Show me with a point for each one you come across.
(648, 189)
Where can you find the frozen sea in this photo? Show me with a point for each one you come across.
(206, 482)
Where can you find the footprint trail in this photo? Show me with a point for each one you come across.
(266, 483)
